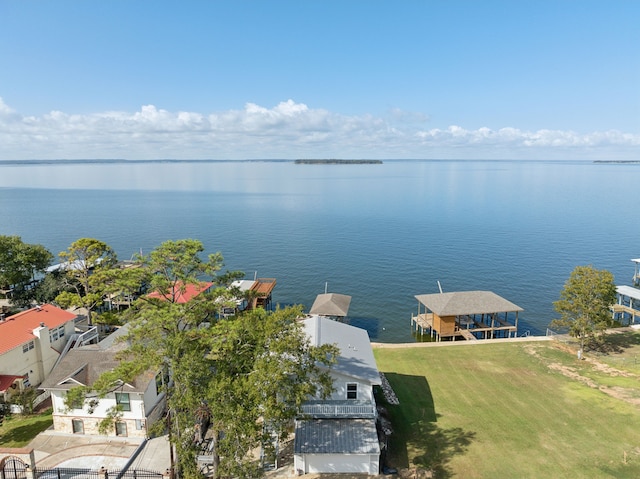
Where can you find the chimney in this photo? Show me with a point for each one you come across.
(42, 325)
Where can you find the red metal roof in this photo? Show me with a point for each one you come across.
(7, 380)
(18, 329)
(182, 293)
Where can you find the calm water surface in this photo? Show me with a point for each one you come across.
(380, 233)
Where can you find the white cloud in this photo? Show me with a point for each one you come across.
(287, 130)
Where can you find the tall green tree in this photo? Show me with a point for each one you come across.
(584, 304)
(238, 375)
(164, 332)
(263, 369)
(86, 266)
(20, 264)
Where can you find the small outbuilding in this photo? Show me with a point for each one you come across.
(466, 314)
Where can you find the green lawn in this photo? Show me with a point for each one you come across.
(511, 410)
(18, 431)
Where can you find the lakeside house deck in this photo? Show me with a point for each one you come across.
(261, 292)
(469, 315)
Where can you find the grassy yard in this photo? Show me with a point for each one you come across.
(507, 410)
(18, 431)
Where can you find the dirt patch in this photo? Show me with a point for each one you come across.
(624, 394)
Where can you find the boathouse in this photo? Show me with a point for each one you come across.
(254, 293)
(331, 305)
(627, 307)
(468, 315)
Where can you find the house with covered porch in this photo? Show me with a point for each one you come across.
(141, 401)
(339, 434)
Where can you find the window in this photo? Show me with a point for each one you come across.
(56, 333)
(122, 400)
(121, 428)
(28, 346)
(139, 424)
(352, 391)
(78, 426)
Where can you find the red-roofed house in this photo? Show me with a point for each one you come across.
(31, 342)
(182, 293)
(10, 383)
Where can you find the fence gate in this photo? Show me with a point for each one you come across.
(13, 468)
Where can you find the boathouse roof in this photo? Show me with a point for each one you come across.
(331, 304)
(462, 303)
(628, 291)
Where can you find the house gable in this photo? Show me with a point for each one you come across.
(142, 403)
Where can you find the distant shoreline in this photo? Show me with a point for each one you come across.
(117, 161)
(622, 162)
(338, 162)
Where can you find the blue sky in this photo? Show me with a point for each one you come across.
(318, 79)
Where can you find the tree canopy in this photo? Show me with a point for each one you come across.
(584, 304)
(20, 263)
(86, 265)
(245, 377)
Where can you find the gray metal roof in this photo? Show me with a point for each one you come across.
(331, 304)
(356, 355)
(466, 302)
(336, 436)
(629, 291)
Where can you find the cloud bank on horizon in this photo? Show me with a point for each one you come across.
(287, 79)
(287, 130)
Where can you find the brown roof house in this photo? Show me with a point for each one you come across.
(140, 401)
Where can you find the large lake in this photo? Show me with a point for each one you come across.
(380, 233)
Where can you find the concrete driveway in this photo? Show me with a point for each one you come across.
(53, 449)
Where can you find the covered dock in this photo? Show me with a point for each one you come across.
(468, 315)
(627, 309)
(332, 305)
(261, 293)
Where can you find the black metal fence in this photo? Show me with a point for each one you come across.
(16, 468)
(78, 473)
(13, 468)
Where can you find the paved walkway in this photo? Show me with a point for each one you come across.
(53, 449)
(436, 344)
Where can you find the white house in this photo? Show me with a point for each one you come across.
(141, 401)
(339, 434)
(30, 344)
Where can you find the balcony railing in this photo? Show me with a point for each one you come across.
(339, 409)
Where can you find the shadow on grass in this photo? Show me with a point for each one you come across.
(619, 342)
(20, 432)
(417, 440)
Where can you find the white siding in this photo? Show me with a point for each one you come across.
(365, 390)
(337, 463)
